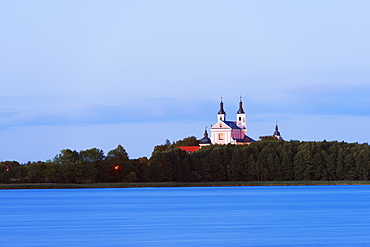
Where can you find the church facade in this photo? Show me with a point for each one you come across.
(233, 132)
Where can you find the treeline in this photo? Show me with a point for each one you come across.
(70, 166)
(268, 160)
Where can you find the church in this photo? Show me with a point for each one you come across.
(228, 132)
(233, 132)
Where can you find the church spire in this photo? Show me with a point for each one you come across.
(205, 140)
(241, 116)
(277, 132)
(205, 133)
(221, 115)
(221, 111)
(240, 111)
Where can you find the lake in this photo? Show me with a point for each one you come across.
(195, 216)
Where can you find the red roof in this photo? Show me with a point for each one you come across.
(190, 149)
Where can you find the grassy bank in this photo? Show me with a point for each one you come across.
(175, 184)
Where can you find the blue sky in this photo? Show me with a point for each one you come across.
(83, 74)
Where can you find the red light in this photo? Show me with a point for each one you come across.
(116, 167)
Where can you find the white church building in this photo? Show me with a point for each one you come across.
(225, 132)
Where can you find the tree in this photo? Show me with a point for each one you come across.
(162, 148)
(238, 164)
(220, 159)
(94, 167)
(188, 141)
(52, 173)
(117, 161)
(303, 164)
(92, 155)
(69, 166)
(341, 169)
(269, 138)
(332, 161)
(320, 163)
(36, 172)
(10, 171)
(264, 161)
(67, 157)
(131, 177)
(287, 156)
(349, 164)
(202, 165)
(141, 168)
(118, 155)
(363, 164)
(156, 170)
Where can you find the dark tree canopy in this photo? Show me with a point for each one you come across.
(187, 141)
(266, 160)
(118, 155)
(268, 138)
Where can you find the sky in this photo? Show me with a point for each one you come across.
(83, 74)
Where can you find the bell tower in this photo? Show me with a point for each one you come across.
(221, 115)
(241, 118)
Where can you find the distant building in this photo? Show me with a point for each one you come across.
(233, 132)
(230, 132)
(275, 136)
(205, 141)
(277, 133)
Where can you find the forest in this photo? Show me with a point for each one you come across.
(265, 160)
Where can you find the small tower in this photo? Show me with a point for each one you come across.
(241, 120)
(205, 141)
(221, 115)
(277, 133)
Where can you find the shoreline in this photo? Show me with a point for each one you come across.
(175, 184)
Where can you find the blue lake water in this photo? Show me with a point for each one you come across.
(201, 216)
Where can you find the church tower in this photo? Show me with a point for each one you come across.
(241, 120)
(205, 141)
(221, 115)
(277, 134)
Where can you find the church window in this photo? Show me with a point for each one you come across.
(220, 125)
(240, 118)
(221, 136)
